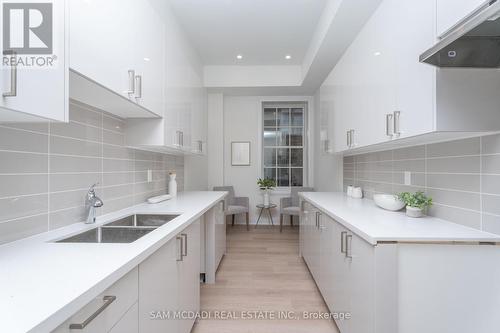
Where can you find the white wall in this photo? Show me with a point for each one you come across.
(242, 122)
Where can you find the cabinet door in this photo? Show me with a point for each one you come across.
(158, 287)
(149, 55)
(374, 77)
(315, 240)
(41, 92)
(189, 276)
(341, 278)
(329, 244)
(450, 12)
(126, 292)
(416, 82)
(103, 41)
(362, 285)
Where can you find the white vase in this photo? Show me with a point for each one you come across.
(414, 211)
(172, 185)
(266, 198)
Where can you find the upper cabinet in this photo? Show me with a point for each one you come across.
(450, 12)
(117, 56)
(34, 84)
(379, 92)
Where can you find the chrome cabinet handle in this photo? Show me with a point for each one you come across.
(388, 123)
(185, 244)
(342, 241)
(13, 77)
(182, 138)
(326, 145)
(181, 257)
(138, 86)
(348, 246)
(200, 146)
(131, 82)
(107, 302)
(397, 130)
(352, 138)
(223, 205)
(348, 139)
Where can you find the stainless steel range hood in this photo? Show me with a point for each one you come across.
(473, 42)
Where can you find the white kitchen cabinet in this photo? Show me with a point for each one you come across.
(343, 266)
(30, 94)
(450, 12)
(382, 93)
(119, 309)
(188, 275)
(158, 288)
(215, 241)
(124, 54)
(169, 284)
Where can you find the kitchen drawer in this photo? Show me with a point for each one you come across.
(126, 292)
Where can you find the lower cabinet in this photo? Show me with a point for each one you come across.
(162, 294)
(169, 284)
(115, 310)
(343, 266)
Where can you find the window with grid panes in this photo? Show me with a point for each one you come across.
(283, 144)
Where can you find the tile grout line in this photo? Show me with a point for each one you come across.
(48, 175)
(481, 183)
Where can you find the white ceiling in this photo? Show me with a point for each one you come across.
(263, 31)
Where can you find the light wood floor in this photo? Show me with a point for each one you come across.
(262, 271)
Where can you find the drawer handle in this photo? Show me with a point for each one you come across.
(107, 302)
(388, 122)
(131, 82)
(397, 130)
(348, 246)
(342, 241)
(138, 86)
(185, 244)
(181, 257)
(13, 77)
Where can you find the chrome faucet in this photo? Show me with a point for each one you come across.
(92, 202)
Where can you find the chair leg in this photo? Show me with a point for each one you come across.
(248, 221)
(281, 222)
(233, 220)
(291, 220)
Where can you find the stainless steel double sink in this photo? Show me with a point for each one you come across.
(125, 230)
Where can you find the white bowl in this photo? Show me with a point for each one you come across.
(388, 202)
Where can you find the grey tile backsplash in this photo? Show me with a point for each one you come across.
(46, 170)
(462, 177)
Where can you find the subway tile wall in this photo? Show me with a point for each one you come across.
(462, 177)
(46, 170)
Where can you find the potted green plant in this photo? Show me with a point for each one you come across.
(416, 203)
(266, 185)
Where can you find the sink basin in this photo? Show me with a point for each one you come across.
(125, 230)
(143, 220)
(108, 235)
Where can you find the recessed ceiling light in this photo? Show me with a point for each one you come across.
(146, 59)
(288, 57)
(239, 57)
(376, 54)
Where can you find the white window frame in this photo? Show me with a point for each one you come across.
(301, 103)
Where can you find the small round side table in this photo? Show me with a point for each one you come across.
(268, 208)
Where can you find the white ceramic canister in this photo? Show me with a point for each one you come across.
(349, 190)
(357, 193)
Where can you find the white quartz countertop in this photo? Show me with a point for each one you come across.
(43, 283)
(375, 224)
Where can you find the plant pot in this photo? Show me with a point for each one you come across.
(266, 198)
(414, 211)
